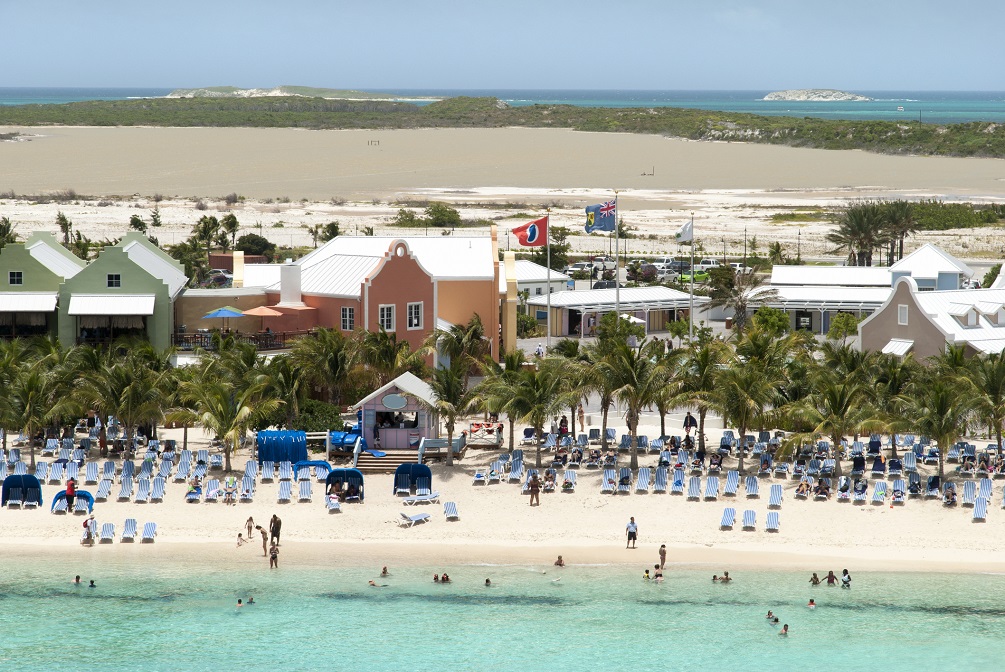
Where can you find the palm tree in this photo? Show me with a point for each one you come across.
(988, 378)
(834, 409)
(284, 382)
(939, 407)
(745, 291)
(386, 358)
(899, 224)
(496, 389)
(636, 376)
(538, 394)
(742, 392)
(861, 230)
(465, 344)
(451, 399)
(889, 378)
(30, 398)
(328, 361)
(699, 367)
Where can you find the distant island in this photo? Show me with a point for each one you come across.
(278, 91)
(815, 96)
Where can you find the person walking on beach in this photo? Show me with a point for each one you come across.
(250, 524)
(582, 417)
(535, 490)
(71, 493)
(689, 423)
(265, 540)
(663, 556)
(275, 527)
(633, 532)
(274, 556)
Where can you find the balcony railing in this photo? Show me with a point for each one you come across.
(279, 340)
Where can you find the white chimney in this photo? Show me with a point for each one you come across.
(289, 285)
(238, 271)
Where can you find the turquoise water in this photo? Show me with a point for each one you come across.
(155, 617)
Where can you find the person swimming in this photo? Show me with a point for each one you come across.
(239, 602)
(770, 615)
(91, 585)
(646, 575)
(812, 604)
(487, 583)
(785, 630)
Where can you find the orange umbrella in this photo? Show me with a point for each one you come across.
(263, 311)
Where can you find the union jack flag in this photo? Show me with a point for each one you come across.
(608, 209)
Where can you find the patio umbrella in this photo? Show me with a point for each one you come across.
(263, 311)
(223, 313)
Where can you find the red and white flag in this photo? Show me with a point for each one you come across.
(533, 234)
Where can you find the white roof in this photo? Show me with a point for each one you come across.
(341, 276)
(999, 282)
(928, 261)
(112, 304)
(632, 298)
(444, 257)
(848, 276)
(528, 271)
(27, 302)
(898, 346)
(408, 383)
(943, 308)
(261, 275)
(58, 261)
(824, 298)
(157, 266)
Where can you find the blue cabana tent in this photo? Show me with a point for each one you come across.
(81, 494)
(317, 464)
(31, 489)
(348, 476)
(414, 471)
(343, 440)
(282, 446)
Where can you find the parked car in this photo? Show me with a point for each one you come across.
(740, 268)
(699, 276)
(663, 262)
(708, 264)
(605, 263)
(646, 272)
(680, 267)
(582, 267)
(605, 284)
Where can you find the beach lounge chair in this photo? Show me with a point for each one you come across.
(528, 437)
(202, 456)
(878, 468)
(480, 476)
(550, 480)
(91, 473)
(813, 469)
(781, 470)
(859, 493)
(932, 456)
(765, 467)
(146, 469)
(772, 522)
(775, 496)
(285, 492)
(827, 468)
(125, 489)
(612, 435)
(495, 472)
(402, 485)
(608, 482)
(60, 507)
(879, 492)
(157, 489)
(50, 448)
(409, 521)
(910, 463)
(182, 473)
(576, 458)
(657, 445)
(247, 490)
(677, 486)
(582, 441)
(3, 469)
(749, 520)
(844, 489)
(694, 488)
(732, 483)
(660, 481)
(332, 504)
(149, 532)
(934, 487)
(55, 473)
(822, 491)
(594, 436)
(798, 469)
(422, 486)
(969, 493)
(985, 488)
(712, 488)
(980, 510)
(107, 533)
(165, 469)
(751, 485)
(128, 469)
(450, 511)
(15, 498)
(104, 490)
(516, 470)
(199, 470)
(899, 492)
(305, 491)
(212, 491)
(268, 471)
(954, 453)
(857, 449)
(625, 481)
(569, 481)
(20, 468)
(285, 471)
(728, 518)
(914, 485)
(642, 480)
(142, 491)
(129, 530)
(72, 471)
(80, 506)
(42, 471)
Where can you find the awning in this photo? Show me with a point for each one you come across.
(898, 346)
(112, 304)
(27, 302)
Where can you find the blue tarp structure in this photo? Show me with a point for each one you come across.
(414, 471)
(349, 477)
(344, 440)
(317, 464)
(31, 489)
(282, 446)
(81, 494)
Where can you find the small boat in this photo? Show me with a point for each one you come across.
(900, 108)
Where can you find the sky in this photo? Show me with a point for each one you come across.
(859, 45)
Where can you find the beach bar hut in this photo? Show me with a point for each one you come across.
(398, 413)
(281, 446)
(350, 478)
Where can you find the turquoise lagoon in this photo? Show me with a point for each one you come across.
(148, 615)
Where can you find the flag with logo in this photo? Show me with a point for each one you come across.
(533, 234)
(602, 217)
(685, 234)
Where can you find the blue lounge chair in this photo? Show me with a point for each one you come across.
(969, 493)
(914, 485)
(129, 530)
(450, 511)
(431, 498)
(157, 489)
(782, 470)
(495, 472)
(910, 463)
(980, 510)
(182, 473)
(751, 485)
(899, 491)
(51, 448)
(516, 470)
(333, 505)
(749, 520)
(813, 469)
(625, 481)
(657, 445)
(72, 471)
(480, 476)
(528, 437)
(608, 482)
(165, 469)
(932, 456)
(20, 469)
(212, 491)
(712, 488)
(268, 471)
(80, 506)
(732, 483)
(728, 518)
(677, 486)
(694, 488)
(402, 485)
(409, 521)
(104, 490)
(660, 483)
(304, 474)
(985, 488)
(305, 491)
(626, 442)
(146, 469)
(285, 471)
(285, 492)
(107, 533)
(612, 435)
(91, 473)
(857, 449)
(775, 496)
(765, 466)
(55, 473)
(954, 453)
(247, 489)
(15, 498)
(878, 468)
(822, 489)
(827, 468)
(126, 488)
(149, 532)
(594, 435)
(642, 480)
(772, 523)
(60, 506)
(569, 481)
(202, 456)
(879, 493)
(128, 469)
(582, 441)
(42, 471)
(859, 494)
(422, 486)
(142, 491)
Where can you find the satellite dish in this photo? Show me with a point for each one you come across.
(394, 402)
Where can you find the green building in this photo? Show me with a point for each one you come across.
(129, 290)
(31, 275)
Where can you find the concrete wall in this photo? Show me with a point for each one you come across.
(882, 326)
(189, 309)
(460, 300)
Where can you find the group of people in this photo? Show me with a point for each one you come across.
(441, 578)
(832, 580)
(336, 490)
(270, 539)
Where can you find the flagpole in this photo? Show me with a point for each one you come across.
(547, 238)
(690, 310)
(617, 260)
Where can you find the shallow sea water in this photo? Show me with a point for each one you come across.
(153, 617)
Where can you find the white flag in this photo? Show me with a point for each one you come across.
(685, 234)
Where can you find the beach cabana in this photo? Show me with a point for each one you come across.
(414, 472)
(31, 489)
(351, 477)
(399, 412)
(81, 494)
(281, 446)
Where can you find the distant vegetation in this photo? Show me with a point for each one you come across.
(969, 139)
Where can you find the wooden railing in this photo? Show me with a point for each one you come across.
(279, 340)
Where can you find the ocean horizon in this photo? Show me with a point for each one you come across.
(937, 107)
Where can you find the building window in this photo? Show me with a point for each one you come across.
(537, 291)
(385, 318)
(15, 278)
(348, 318)
(415, 315)
(902, 315)
(114, 280)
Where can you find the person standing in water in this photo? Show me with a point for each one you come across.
(663, 556)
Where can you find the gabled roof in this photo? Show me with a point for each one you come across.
(928, 261)
(830, 276)
(943, 309)
(44, 248)
(154, 261)
(443, 257)
(339, 276)
(528, 271)
(408, 383)
(822, 298)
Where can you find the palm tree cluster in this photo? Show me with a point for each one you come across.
(868, 226)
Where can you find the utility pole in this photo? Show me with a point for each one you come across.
(744, 245)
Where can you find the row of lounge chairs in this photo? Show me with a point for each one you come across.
(410, 520)
(749, 520)
(106, 535)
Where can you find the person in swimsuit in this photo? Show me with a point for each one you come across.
(535, 490)
(831, 579)
(845, 579)
(274, 556)
(814, 580)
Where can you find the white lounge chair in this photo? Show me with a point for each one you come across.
(91, 473)
(660, 483)
(431, 498)
(749, 520)
(60, 507)
(732, 483)
(569, 481)
(409, 521)
(126, 488)
(212, 491)
(608, 482)
(129, 530)
(450, 511)
(728, 518)
(751, 485)
(980, 509)
(268, 471)
(775, 496)
(642, 480)
(677, 486)
(305, 491)
(772, 522)
(879, 493)
(694, 488)
(80, 506)
(712, 488)
(142, 491)
(285, 492)
(149, 532)
(107, 533)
